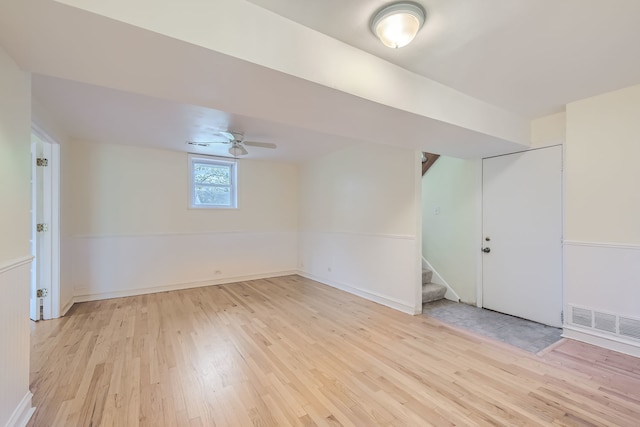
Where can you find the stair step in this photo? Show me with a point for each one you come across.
(432, 292)
(427, 275)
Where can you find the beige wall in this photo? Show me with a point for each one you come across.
(363, 189)
(602, 211)
(450, 237)
(132, 231)
(549, 130)
(15, 161)
(602, 171)
(15, 232)
(118, 189)
(360, 223)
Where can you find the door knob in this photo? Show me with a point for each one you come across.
(486, 250)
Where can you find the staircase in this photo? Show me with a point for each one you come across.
(431, 291)
(428, 159)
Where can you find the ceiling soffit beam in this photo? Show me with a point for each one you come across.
(248, 32)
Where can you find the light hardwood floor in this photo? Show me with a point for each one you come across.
(290, 351)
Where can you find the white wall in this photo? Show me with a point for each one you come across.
(450, 222)
(360, 223)
(602, 232)
(134, 233)
(15, 226)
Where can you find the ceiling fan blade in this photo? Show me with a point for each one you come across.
(260, 144)
(206, 143)
(227, 135)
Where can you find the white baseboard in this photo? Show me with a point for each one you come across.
(601, 340)
(178, 286)
(371, 296)
(67, 307)
(438, 279)
(23, 412)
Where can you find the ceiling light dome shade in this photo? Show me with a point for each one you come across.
(397, 24)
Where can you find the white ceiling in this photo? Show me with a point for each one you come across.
(530, 57)
(98, 114)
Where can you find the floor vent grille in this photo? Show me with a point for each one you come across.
(610, 323)
(581, 316)
(630, 327)
(604, 322)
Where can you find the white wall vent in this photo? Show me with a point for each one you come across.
(581, 316)
(610, 323)
(629, 327)
(604, 322)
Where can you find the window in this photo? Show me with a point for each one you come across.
(212, 183)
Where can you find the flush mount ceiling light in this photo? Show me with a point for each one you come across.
(397, 24)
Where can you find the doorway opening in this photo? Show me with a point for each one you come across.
(465, 240)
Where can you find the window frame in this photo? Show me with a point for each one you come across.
(233, 177)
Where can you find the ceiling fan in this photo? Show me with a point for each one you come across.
(236, 142)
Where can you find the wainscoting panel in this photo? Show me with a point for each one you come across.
(15, 398)
(113, 266)
(380, 268)
(602, 282)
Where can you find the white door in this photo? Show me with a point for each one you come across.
(522, 234)
(44, 247)
(34, 311)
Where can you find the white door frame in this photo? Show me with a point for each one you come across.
(479, 235)
(51, 304)
(34, 305)
(479, 225)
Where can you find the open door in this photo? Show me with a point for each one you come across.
(522, 234)
(44, 301)
(34, 302)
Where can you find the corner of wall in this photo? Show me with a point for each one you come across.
(15, 256)
(23, 412)
(358, 228)
(548, 130)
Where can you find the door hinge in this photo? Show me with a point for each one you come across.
(562, 316)
(41, 161)
(42, 227)
(41, 293)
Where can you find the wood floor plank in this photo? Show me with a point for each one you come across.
(292, 352)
